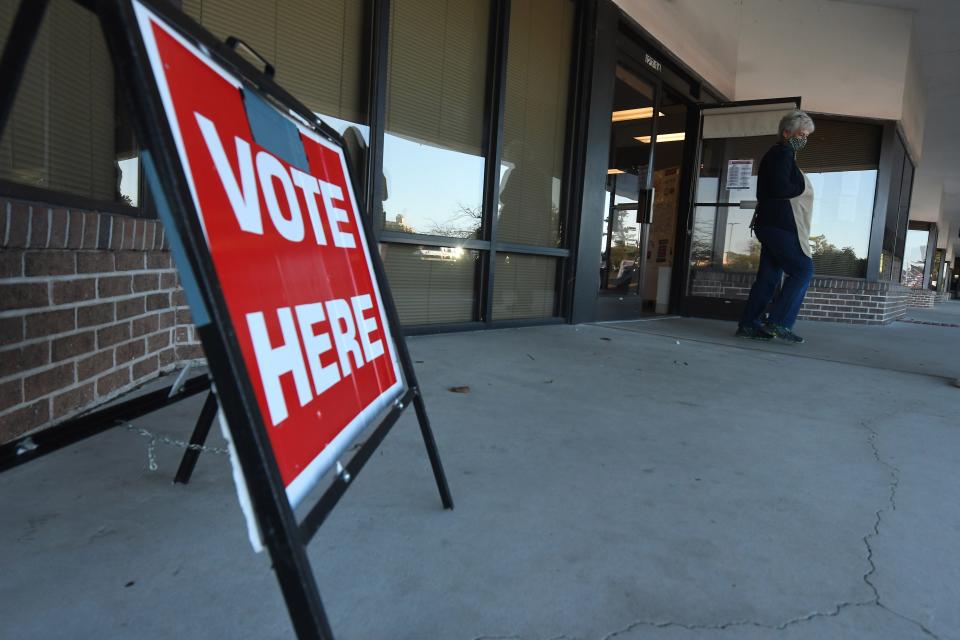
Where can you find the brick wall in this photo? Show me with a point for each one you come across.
(921, 298)
(854, 301)
(849, 300)
(90, 307)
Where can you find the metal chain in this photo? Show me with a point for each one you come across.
(155, 438)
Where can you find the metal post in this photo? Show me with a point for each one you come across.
(493, 135)
(197, 440)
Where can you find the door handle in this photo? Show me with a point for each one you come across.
(645, 215)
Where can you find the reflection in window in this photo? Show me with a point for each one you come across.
(620, 264)
(915, 258)
(433, 148)
(316, 47)
(840, 226)
(432, 285)
(842, 215)
(60, 133)
(128, 182)
(525, 286)
(534, 122)
(431, 189)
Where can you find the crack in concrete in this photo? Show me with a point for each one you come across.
(868, 577)
(894, 472)
(740, 623)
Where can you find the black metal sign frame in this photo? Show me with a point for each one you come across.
(285, 538)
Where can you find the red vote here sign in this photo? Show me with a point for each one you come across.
(280, 220)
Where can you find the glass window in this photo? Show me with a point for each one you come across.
(628, 178)
(841, 161)
(898, 211)
(432, 285)
(721, 239)
(915, 258)
(535, 121)
(524, 286)
(61, 132)
(892, 214)
(433, 157)
(936, 270)
(316, 48)
(842, 216)
(906, 193)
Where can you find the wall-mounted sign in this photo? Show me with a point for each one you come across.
(652, 62)
(738, 174)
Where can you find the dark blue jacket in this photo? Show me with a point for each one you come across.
(778, 180)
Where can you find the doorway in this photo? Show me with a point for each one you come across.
(723, 253)
(641, 235)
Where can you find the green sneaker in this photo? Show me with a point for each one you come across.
(754, 333)
(784, 334)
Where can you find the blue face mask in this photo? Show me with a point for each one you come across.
(797, 143)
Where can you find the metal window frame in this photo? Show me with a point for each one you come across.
(496, 89)
(493, 123)
(16, 56)
(575, 149)
(377, 46)
(613, 37)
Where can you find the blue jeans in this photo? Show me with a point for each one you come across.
(781, 253)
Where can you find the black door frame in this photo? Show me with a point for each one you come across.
(627, 62)
(618, 39)
(702, 306)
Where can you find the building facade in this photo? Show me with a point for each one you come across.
(522, 162)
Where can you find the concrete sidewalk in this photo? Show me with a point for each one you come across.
(642, 480)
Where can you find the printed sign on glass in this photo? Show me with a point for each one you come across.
(738, 174)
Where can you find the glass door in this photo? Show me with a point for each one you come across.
(723, 253)
(628, 183)
(629, 197)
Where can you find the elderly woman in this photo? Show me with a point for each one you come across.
(782, 225)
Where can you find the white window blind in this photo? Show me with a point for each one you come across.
(60, 134)
(525, 286)
(431, 285)
(744, 120)
(316, 47)
(535, 118)
(437, 72)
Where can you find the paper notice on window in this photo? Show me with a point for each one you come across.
(738, 174)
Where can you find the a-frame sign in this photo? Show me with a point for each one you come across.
(284, 280)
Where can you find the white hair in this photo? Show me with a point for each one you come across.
(796, 120)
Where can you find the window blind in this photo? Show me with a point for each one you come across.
(744, 120)
(431, 285)
(317, 48)
(839, 145)
(534, 124)
(525, 286)
(60, 134)
(437, 72)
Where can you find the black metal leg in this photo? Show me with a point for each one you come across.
(432, 452)
(199, 437)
